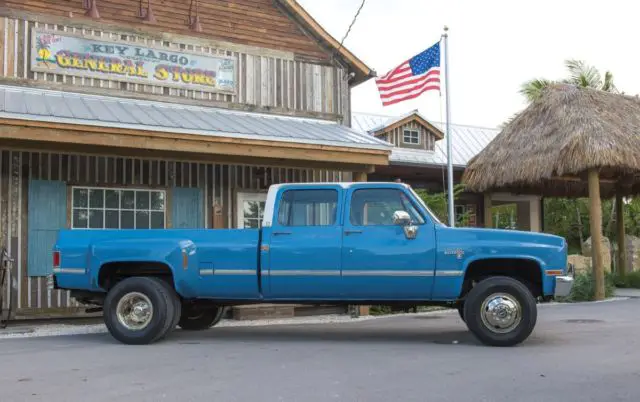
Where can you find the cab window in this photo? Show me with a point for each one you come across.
(375, 207)
(308, 208)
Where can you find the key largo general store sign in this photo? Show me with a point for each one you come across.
(87, 57)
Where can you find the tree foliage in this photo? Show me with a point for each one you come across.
(437, 203)
(569, 218)
(580, 74)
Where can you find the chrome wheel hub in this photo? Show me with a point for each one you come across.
(134, 311)
(501, 313)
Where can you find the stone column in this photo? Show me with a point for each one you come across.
(488, 217)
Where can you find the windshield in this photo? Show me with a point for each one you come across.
(424, 205)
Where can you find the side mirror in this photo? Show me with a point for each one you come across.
(401, 218)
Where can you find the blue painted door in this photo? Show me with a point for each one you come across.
(305, 244)
(378, 261)
(187, 205)
(47, 214)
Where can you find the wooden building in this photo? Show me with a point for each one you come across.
(160, 114)
(419, 157)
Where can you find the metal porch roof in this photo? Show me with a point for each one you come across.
(468, 141)
(105, 111)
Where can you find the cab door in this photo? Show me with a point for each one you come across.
(305, 244)
(380, 261)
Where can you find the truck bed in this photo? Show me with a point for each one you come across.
(223, 262)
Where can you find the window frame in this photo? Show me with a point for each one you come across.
(104, 209)
(280, 201)
(411, 201)
(241, 197)
(411, 131)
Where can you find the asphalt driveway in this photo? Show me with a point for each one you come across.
(582, 352)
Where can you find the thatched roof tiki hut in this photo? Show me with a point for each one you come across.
(572, 142)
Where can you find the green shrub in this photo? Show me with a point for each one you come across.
(584, 288)
(630, 280)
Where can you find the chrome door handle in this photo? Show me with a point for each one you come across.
(350, 232)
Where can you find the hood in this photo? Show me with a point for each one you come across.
(501, 235)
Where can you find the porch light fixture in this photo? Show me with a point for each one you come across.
(194, 21)
(92, 9)
(147, 15)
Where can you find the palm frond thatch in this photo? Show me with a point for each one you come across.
(556, 139)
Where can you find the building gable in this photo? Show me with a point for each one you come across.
(410, 131)
(467, 141)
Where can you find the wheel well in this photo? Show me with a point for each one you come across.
(526, 271)
(113, 272)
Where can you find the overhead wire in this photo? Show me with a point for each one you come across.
(353, 21)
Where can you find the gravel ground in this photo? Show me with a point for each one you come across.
(579, 352)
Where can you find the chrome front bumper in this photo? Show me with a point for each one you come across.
(563, 286)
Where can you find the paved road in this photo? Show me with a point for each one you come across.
(577, 353)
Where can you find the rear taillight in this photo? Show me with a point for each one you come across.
(56, 259)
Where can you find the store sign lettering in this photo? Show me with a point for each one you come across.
(78, 56)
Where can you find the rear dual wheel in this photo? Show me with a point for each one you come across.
(196, 318)
(141, 310)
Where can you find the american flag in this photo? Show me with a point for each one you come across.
(413, 77)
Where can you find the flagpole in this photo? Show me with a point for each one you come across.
(452, 220)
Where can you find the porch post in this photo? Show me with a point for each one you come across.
(488, 217)
(360, 176)
(534, 215)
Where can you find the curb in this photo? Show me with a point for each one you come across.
(16, 331)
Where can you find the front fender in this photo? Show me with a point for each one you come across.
(480, 257)
(169, 252)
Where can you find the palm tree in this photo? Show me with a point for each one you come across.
(580, 74)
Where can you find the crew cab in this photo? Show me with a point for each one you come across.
(338, 243)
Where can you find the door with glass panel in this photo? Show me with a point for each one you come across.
(305, 244)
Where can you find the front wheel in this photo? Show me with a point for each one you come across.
(194, 319)
(500, 311)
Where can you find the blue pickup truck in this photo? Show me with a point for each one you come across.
(338, 243)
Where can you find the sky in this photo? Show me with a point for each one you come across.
(494, 46)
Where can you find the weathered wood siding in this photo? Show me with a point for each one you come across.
(395, 136)
(266, 80)
(251, 22)
(219, 182)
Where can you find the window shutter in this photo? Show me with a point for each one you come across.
(187, 206)
(47, 215)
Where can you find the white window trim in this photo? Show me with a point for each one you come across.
(119, 209)
(410, 130)
(241, 198)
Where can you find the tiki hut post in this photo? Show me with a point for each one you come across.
(595, 220)
(622, 244)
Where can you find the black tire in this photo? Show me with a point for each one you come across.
(461, 311)
(515, 290)
(162, 301)
(194, 319)
(177, 304)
